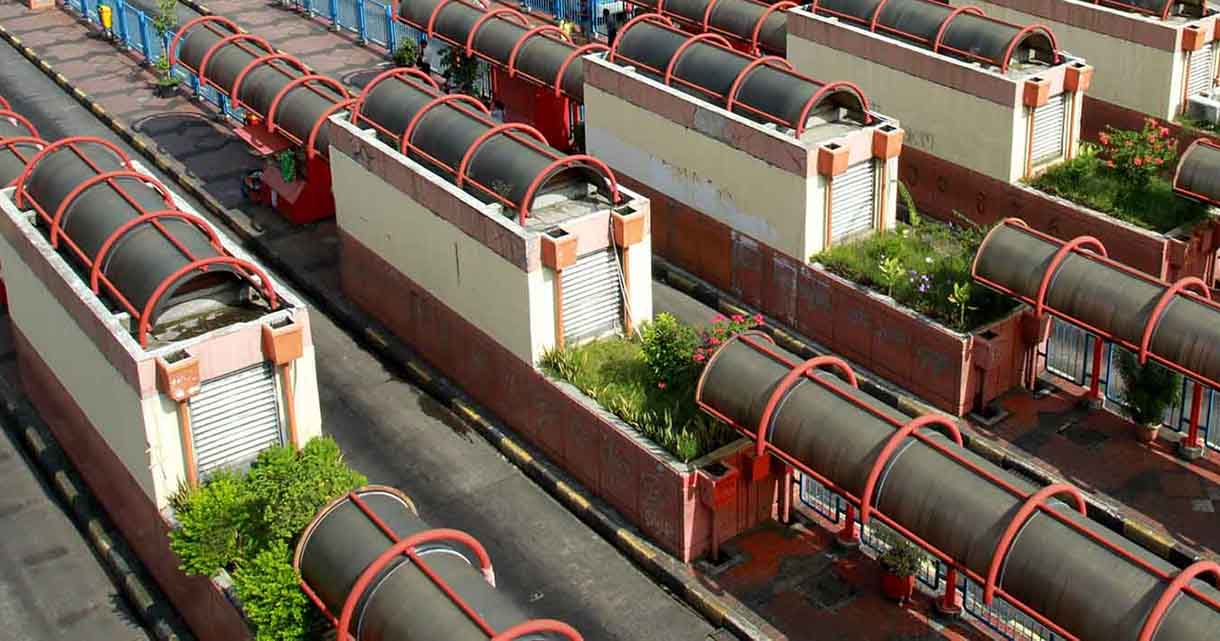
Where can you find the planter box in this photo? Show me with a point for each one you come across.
(650, 488)
(941, 188)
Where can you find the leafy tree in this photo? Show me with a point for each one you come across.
(217, 525)
(271, 596)
(459, 69)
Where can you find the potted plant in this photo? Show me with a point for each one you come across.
(406, 53)
(1150, 390)
(898, 567)
(166, 83)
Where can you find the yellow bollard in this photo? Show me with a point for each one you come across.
(104, 13)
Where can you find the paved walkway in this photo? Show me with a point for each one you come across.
(1097, 450)
(52, 587)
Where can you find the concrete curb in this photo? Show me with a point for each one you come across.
(140, 592)
(658, 564)
(994, 451)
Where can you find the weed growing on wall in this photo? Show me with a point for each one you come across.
(248, 524)
(1127, 177)
(924, 266)
(649, 382)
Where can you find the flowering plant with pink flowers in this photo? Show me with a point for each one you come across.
(1138, 156)
(722, 329)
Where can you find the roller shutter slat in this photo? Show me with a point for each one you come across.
(235, 417)
(592, 296)
(853, 201)
(1049, 121)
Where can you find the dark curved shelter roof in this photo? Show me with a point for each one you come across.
(246, 68)
(19, 141)
(761, 27)
(444, 590)
(502, 37)
(1198, 173)
(1175, 324)
(452, 136)
(764, 89)
(961, 32)
(121, 228)
(1048, 559)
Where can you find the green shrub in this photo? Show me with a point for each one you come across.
(216, 524)
(292, 487)
(249, 524)
(1149, 389)
(406, 53)
(668, 347)
(271, 596)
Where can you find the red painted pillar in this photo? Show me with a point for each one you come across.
(1196, 403)
(786, 504)
(1095, 383)
(847, 534)
(948, 602)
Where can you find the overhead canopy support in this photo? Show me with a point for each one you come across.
(1198, 173)
(292, 100)
(766, 90)
(377, 571)
(1043, 558)
(19, 141)
(502, 37)
(962, 32)
(758, 26)
(508, 164)
(1174, 324)
(124, 230)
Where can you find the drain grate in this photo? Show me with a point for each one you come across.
(827, 591)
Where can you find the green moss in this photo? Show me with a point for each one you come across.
(1085, 181)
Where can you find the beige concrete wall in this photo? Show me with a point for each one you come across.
(110, 403)
(639, 281)
(965, 129)
(1128, 73)
(478, 284)
(740, 190)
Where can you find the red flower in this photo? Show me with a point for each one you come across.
(1104, 139)
(718, 318)
(661, 385)
(1164, 131)
(699, 358)
(738, 318)
(1138, 161)
(1159, 161)
(713, 340)
(758, 319)
(1110, 164)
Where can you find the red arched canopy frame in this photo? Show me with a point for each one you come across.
(527, 202)
(30, 129)
(790, 379)
(312, 140)
(1202, 142)
(4, 104)
(750, 432)
(401, 73)
(110, 178)
(891, 446)
(756, 32)
(300, 82)
(245, 269)
(567, 62)
(207, 22)
(155, 217)
(1181, 286)
(488, 135)
(1176, 586)
(1076, 244)
(263, 60)
(202, 72)
(406, 547)
(536, 31)
(14, 145)
(498, 11)
(1032, 504)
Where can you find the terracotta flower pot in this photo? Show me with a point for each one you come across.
(898, 588)
(1147, 433)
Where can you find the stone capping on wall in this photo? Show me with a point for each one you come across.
(482, 222)
(765, 143)
(987, 84)
(1111, 21)
(106, 324)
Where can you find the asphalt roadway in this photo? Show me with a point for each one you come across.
(394, 433)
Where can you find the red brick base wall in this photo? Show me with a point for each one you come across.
(660, 500)
(206, 610)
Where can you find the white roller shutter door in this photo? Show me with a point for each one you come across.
(235, 417)
(1049, 125)
(853, 197)
(592, 297)
(1200, 69)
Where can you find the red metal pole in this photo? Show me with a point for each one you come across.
(847, 534)
(1095, 384)
(1196, 403)
(948, 603)
(787, 498)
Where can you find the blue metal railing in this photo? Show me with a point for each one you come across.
(134, 30)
